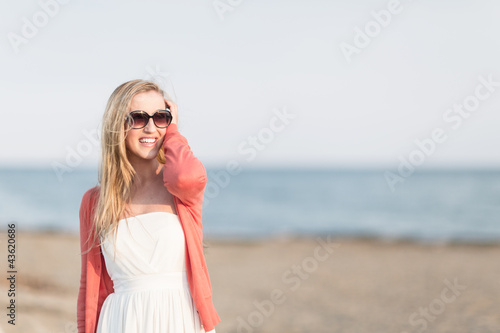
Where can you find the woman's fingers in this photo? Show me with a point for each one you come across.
(173, 109)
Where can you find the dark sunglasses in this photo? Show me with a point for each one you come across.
(139, 119)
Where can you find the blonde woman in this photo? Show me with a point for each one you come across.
(143, 267)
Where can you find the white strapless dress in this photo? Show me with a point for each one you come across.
(151, 290)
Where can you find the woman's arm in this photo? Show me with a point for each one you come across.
(84, 234)
(183, 175)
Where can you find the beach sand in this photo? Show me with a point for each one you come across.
(290, 285)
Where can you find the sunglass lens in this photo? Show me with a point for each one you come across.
(162, 118)
(139, 119)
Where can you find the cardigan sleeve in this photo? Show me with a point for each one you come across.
(183, 175)
(84, 234)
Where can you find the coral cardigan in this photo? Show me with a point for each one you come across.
(185, 178)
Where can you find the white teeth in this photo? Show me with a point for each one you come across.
(147, 140)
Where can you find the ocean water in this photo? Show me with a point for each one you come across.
(439, 205)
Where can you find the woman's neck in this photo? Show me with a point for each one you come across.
(146, 172)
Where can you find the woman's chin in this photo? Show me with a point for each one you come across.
(151, 155)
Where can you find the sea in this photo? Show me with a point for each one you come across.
(427, 206)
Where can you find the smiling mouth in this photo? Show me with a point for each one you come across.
(147, 140)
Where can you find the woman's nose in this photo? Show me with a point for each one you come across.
(150, 126)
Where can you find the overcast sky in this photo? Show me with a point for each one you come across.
(266, 83)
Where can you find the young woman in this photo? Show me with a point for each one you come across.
(143, 267)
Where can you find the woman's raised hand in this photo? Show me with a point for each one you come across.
(173, 109)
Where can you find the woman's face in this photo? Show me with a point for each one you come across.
(145, 143)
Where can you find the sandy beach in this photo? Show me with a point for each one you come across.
(291, 285)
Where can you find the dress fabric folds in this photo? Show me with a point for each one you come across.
(151, 290)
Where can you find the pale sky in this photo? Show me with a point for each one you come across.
(234, 71)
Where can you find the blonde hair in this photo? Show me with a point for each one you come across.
(116, 174)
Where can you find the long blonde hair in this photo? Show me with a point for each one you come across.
(116, 174)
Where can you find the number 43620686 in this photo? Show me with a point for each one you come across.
(11, 257)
